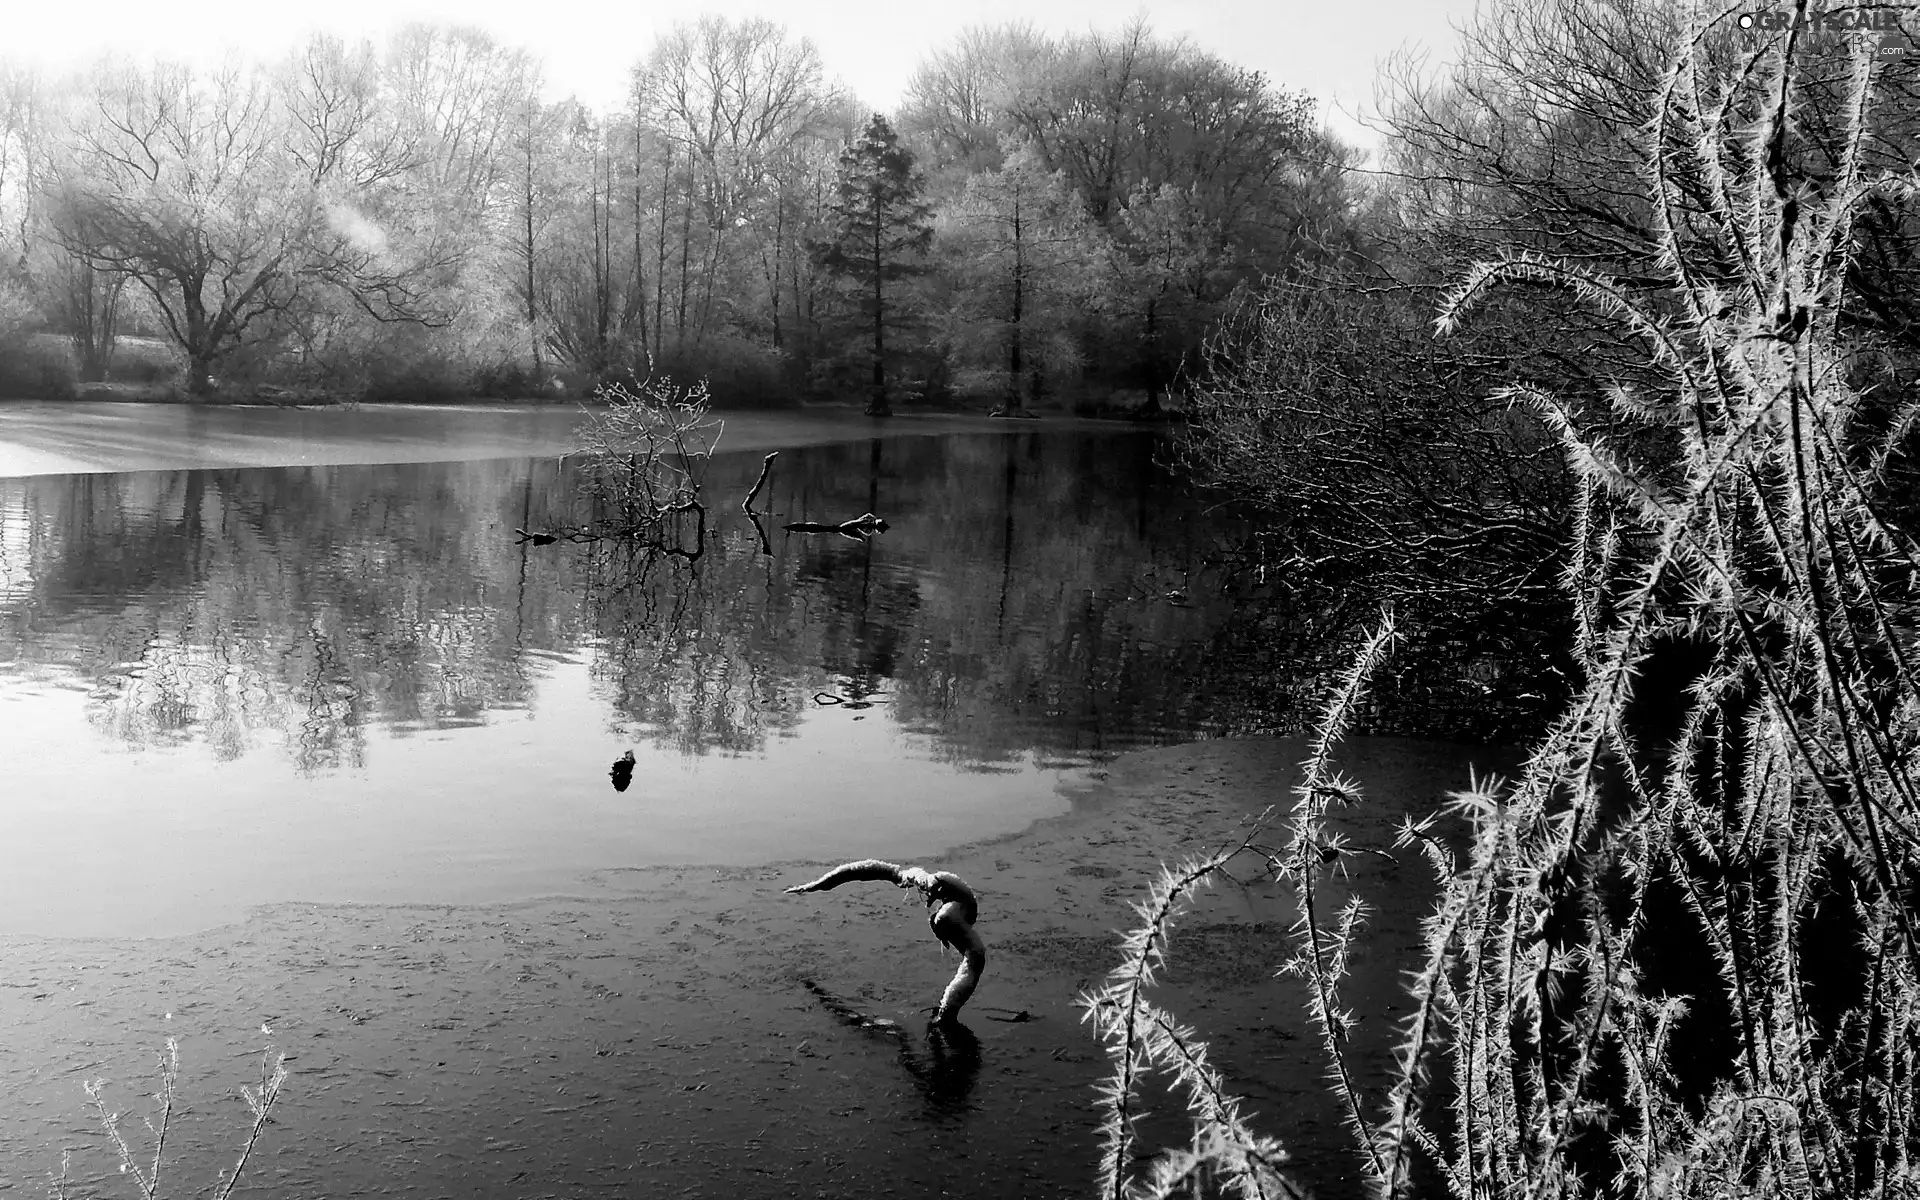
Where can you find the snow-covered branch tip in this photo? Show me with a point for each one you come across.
(951, 912)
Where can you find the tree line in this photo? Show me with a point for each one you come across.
(1042, 219)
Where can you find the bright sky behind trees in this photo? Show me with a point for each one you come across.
(1327, 49)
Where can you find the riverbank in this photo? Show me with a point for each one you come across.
(94, 437)
(664, 1029)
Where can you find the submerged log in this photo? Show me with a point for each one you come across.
(862, 526)
(951, 912)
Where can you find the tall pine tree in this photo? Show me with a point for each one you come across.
(882, 226)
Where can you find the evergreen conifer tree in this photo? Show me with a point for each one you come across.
(882, 226)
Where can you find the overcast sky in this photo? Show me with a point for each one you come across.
(1328, 49)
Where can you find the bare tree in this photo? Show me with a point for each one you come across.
(337, 127)
(75, 297)
(960, 99)
(22, 120)
(457, 96)
(737, 99)
(190, 186)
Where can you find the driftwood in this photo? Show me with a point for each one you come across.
(951, 912)
(863, 526)
(766, 466)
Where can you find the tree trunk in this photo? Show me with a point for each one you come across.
(877, 402)
(660, 259)
(92, 316)
(802, 309)
(1152, 408)
(609, 315)
(200, 383)
(686, 260)
(1016, 396)
(639, 226)
(533, 313)
(710, 273)
(773, 276)
(199, 344)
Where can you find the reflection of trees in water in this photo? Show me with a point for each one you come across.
(1052, 595)
(1018, 603)
(1034, 611)
(304, 603)
(681, 653)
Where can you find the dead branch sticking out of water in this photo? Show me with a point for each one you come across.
(766, 468)
(952, 910)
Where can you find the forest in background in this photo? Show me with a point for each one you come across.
(1042, 220)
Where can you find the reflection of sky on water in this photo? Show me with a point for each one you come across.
(219, 689)
(104, 839)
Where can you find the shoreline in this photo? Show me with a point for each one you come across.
(94, 437)
(677, 1025)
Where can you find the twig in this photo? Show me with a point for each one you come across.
(260, 1100)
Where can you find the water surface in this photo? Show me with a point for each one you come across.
(87, 436)
(228, 687)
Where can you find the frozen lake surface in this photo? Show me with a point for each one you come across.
(228, 687)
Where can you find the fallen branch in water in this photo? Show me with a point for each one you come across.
(646, 530)
(952, 910)
(863, 526)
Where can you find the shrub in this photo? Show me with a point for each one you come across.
(739, 372)
(649, 448)
(1328, 405)
(35, 368)
(1772, 819)
(140, 360)
(147, 1177)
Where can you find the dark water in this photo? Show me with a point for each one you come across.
(220, 688)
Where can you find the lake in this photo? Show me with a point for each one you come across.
(312, 757)
(221, 688)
